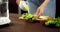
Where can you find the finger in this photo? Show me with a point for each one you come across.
(38, 11)
(41, 13)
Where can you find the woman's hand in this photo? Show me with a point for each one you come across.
(41, 9)
(39, 12)
(17, 2)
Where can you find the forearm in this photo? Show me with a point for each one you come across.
(41, 9)
(45, 3)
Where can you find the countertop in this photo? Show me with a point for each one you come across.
(17, 25)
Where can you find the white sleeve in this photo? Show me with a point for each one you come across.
(22, 5)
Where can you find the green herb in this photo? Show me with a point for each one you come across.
(28, 16)
(52, 22)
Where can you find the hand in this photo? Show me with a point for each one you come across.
(41, 9)
(18, 1)
(39, 12)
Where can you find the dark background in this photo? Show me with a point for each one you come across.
(13, 7)
(57, 8)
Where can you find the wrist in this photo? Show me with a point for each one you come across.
(47, 0)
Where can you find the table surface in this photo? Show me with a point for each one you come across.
(17, 25)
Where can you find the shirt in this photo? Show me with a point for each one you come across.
(36, 2)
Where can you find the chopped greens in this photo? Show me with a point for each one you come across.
(28, 16)
(52, 22)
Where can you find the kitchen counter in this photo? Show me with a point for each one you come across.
(17, 25)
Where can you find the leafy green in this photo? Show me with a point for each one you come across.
(57, 25)
(58, 22)
(52, 22)
(28, 16)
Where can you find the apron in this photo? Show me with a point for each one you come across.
(34, 4)
(49, 11)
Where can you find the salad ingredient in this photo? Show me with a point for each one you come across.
(55, 22)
